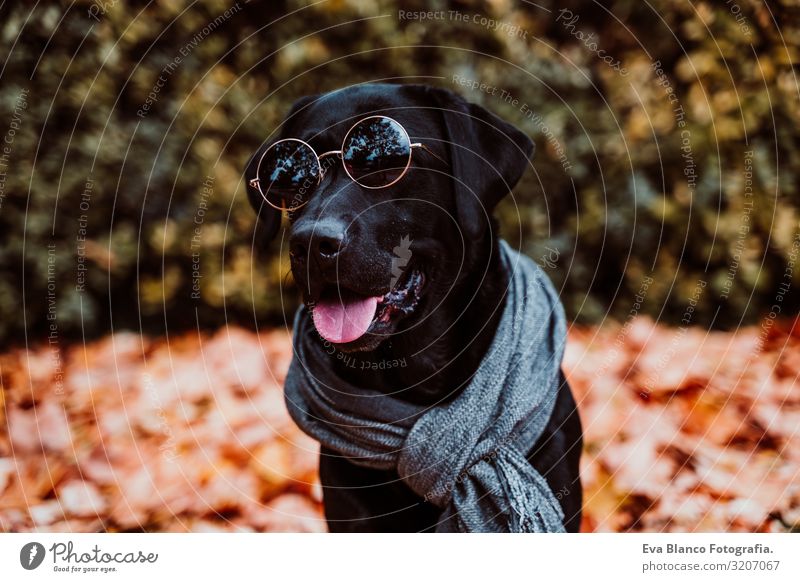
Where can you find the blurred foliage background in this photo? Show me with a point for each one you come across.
(609, 202)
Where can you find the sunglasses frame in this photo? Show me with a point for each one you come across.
(256, 182)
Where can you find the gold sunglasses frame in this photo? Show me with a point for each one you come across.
(256, 182)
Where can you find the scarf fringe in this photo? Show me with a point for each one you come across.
(532, 505)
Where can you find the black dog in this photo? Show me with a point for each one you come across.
(436, 223)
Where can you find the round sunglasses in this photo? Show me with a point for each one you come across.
(376, 153)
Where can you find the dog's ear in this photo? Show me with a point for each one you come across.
(269, 217)
(488, 158)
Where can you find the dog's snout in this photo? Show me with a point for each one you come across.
(322, 241)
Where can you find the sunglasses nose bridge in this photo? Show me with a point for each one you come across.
(328, 159)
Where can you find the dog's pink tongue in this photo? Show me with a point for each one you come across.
(344, 319)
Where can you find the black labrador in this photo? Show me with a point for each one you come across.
(426, 246)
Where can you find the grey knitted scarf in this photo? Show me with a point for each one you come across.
(466, 456)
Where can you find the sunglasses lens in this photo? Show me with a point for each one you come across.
(376, 152)
(288, 174)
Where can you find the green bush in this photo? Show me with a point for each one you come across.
(103, 114)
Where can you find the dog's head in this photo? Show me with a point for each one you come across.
(373, 262)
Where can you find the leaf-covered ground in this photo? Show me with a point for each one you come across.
(686, 430)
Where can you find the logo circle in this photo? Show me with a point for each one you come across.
(31, 555)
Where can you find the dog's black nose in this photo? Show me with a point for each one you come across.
(323, 240)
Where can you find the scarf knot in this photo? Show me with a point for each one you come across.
(467, 456)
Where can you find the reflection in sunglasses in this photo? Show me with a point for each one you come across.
(376, 153)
